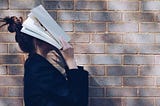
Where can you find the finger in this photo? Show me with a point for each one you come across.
(64, 43)
(56, 55)
(56, 61)
(21, 19)
(59, 63)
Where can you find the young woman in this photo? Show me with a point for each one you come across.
(44, 85)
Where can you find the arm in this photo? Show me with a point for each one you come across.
(76, 75)
(68, 54)
(79, 78)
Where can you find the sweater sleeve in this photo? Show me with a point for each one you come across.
(47, 87)
(78, 80)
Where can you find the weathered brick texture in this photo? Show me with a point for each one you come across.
(23, 4)
(75, 16)
(117, 41)
(3, 4)
(123, 27)
(90, 5)
(123, 5)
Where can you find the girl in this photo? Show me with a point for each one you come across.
(44, 85)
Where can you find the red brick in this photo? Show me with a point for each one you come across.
(91, 5)
(107, 38)
(133, 59)
(58, 5)
(121, 92)
(106, 59)
(95, 70)
(105, 81)
(138, 102)
(15, 70)
(89, 27)
(11, 80)
(149, 92)
(149, 70)
(82, 59)
(7, 38)
(119, 48)
(122, 71)
(11, 59)
(77, 16)
(123, 5)
(106, 16)
(157, 101)
(149, 27)
(89, 48)
(138, 81)
(15, 92)
(96, 92)
(4, 48)
(157, 17)
(138, 17)
(66, 26)
(123, 27)
(11, 101)
(14, 48)
(3, 70)
(9, 12)
(134, 38)
(106, 102)
(157, 59)
(4, 4)
(3, 91)
(23, 4)
(157, 39)
(158, 81)
(80, 38)
(150, 5)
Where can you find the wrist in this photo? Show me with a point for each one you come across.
(71, 64)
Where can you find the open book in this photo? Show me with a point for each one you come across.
(41, 25)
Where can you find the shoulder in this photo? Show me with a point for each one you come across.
(35, 59)
(37, 65)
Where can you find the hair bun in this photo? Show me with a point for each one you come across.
(8, 20)
(15, 24)
(12, 28)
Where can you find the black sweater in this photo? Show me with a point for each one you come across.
(44, 85)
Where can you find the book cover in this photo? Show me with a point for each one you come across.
(41, 25)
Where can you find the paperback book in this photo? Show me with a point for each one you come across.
(41, 25)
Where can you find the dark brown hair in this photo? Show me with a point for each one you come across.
(15, 25)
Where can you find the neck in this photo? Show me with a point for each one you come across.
(42, 52)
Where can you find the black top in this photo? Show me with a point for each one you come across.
(44, 85)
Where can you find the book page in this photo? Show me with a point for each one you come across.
(49, 23)
(38, 32)
(46, 39)
(41, 25)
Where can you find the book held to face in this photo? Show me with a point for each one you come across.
(41, 25)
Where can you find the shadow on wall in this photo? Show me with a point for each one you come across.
(97, 92)
(121, 83)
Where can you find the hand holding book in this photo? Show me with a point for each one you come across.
(68, 54)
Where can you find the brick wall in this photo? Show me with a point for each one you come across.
(118, 42)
